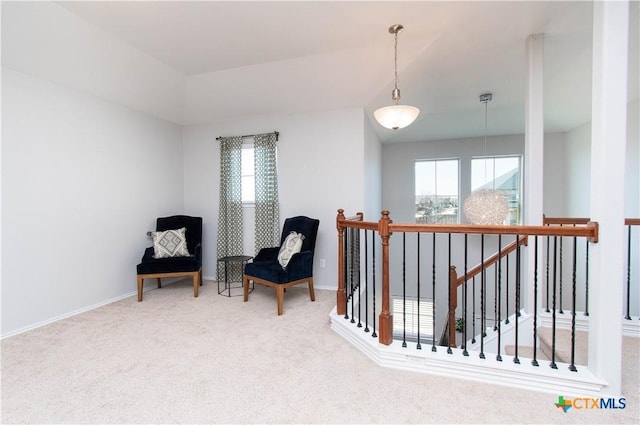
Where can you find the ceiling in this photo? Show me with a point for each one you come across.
(259, 58)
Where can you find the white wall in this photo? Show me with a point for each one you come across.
(578, 165)
(398, 167)
(82, 181)
(578, 171)
(555, 175)
(632, 170)
(372, 172)
(45, 40)
(320, 169)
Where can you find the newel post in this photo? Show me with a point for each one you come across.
(385, 318)
(341, 296)
(453, 304)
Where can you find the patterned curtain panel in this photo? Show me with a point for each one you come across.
(230, 212)
(267, 226)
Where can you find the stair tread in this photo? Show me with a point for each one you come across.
(525, 352)
(563, 344)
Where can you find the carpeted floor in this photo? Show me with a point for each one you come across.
(178, 359)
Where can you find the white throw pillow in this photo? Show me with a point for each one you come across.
(291, 245)
(170, 243)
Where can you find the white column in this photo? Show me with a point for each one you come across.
(533, 157)
(608, 141)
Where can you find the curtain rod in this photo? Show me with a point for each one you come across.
(277, 133)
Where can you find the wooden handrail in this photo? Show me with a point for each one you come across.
(385, 228)
(582, 220)
(564, 220)
(341, 295)
(588, 231)
(522, 240)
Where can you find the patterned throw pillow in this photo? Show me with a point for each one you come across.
(291, 245)
(170, 243)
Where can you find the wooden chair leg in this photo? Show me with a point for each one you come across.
(245, 286)
(196, 284)
(280, 295)
(159, 284)
(140, 285)
(311, 293)
(200, 276)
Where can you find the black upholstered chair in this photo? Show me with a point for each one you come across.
(267, 270)
(185, 266)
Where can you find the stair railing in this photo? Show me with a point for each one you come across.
(456, 281)
(385, 228)
(555, 263)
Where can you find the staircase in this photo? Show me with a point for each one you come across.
(563, 346)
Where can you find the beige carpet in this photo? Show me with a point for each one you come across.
(178, 359)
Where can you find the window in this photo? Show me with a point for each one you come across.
(502, 174)
(436, 189)
(412, 318)
(248, 174)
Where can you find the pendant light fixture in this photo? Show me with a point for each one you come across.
(486, 206)
(396, 116)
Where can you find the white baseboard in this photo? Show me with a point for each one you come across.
(66, 315)
(84, 309)
(506, 372)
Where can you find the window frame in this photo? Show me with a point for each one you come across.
(436, 160)
(520, 200)
(247, 145)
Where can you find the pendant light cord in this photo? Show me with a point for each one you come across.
(485, 98)
(395, 60)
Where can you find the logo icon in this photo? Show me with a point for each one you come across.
(563, 404)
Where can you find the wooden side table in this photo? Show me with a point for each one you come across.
(228, 286)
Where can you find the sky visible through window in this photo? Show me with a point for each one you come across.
(436, 191)
(248, 181)
(437, 177)
(488, 170)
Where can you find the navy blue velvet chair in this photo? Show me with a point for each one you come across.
(266, 269)
(190, 266)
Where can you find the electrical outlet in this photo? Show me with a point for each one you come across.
(322, 263)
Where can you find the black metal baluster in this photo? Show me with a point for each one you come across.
(464, 301)
(404, 293)
(373, 273)
(357, 244)
(449, 350)
(483, 311)
(433, 296)
(517, 312)
(628, 316)
(499, 297)
(351, 269)
(473, 309)
(506, 305)
(561, 278)
(495, 296)
(572, 366)
(535, 302)
(418, 346)
(547, 294)
(366, 281)
(482, 283)
(586, 278)
(346, 274)
(553, 309)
